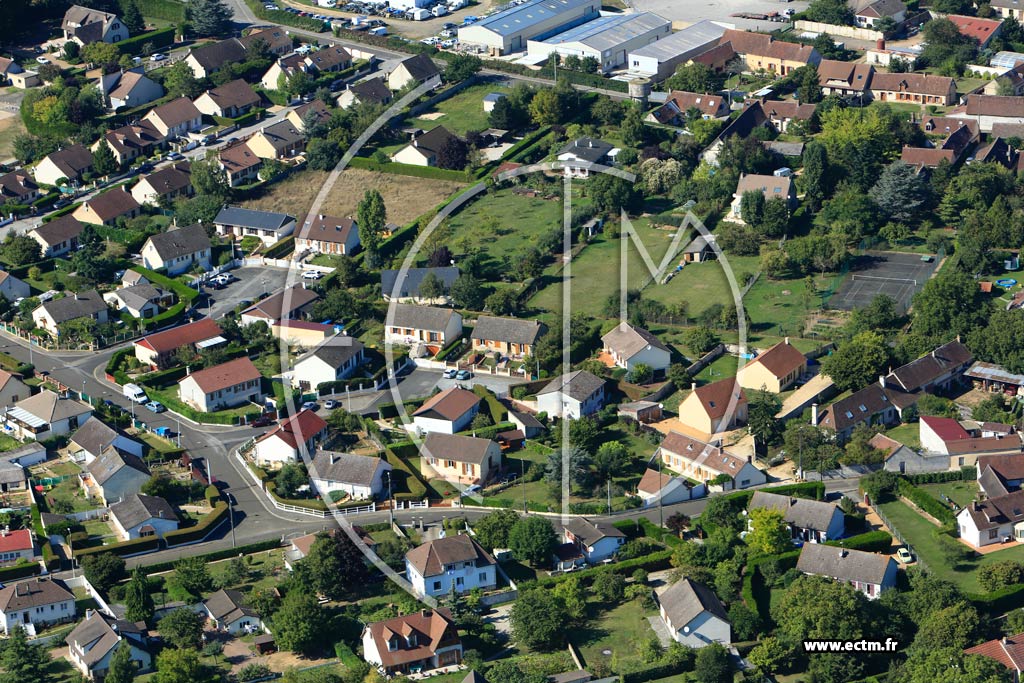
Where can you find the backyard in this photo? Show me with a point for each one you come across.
(614, 636)
(960, 492)
(461, 112)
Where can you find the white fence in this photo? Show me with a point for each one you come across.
(836, 30)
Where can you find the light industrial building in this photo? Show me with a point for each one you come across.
(660, 59)
(509, 30)
(607, 39)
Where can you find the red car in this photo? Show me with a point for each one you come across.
(263, 420)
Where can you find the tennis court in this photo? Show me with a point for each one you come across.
(897, 275)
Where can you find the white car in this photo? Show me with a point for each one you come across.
(158, 57)
(448, 44)
(42, 60)
(312, 275)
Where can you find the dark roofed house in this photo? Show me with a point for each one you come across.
(314, 111)
(572, 396)
(322, 234)
(228, 611)
(868, 573)
(360, 477)
(132, 141)
(453, 563)
(281, 140)
(371, 91)
(425, 149)
(412, 324)
(462, 459)
(596, 541)
(106, 208)
(85, 25)
(39, 602)
(18, 187)
(508, 336)
(408, 287)
(230, 100)
(239, 163)
(750, 119)
(117, 474)
(694, 615)
(55, 312)
(139, 516)
(329, 58)
(333, 359)
(289, 304)
(993, 520)
(580, 154)
(276, 39)
(175, 118)
(268, 226)
(93, 642)
(178, 251)
(812, 521)
(70, 163)
(59, 236)
(165, 185)
(210, 58)
(94, 437)
(420, 641)
(416, 69)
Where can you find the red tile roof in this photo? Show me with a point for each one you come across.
(225, 375)
(946, 428)
(14, 541)
(175, 338)
(715, 397)
(297, 428)
(1008, 651)
(432, 628)
(981, 30)
(781, 359)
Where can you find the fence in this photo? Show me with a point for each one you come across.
(706, 360)
(896, 534)
(837, 30)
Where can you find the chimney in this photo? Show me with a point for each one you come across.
(881, 381)
(787, 341)
(814, 414)
(693, 386)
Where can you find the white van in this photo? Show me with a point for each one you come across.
(133, 392)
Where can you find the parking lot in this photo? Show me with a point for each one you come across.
(250, 284)
(718, 10)
(396, 24)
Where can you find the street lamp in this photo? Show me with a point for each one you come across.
(83, 393)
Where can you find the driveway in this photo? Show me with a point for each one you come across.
(250, 284)
(498, 384)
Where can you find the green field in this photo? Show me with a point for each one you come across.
(461, 112)
(960, 492)
(907, 434)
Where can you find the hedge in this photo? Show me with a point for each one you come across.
(390, 410)
(654, 672)
(161, 37)
(787, 560)
(137, 545)
(870, 542)
(326, 388)
(654, 562)
(222, 554)
(212, 495)
(20, 571)
(489, 432)
(963, 474)
(431, 172)
(528, 141)
(162, 379)
(1001, 601)
(452, 349)
(50, 558)
(186, 295)
(281, 248)
(243, 120)
(167, 10)
(814, 490)
(120, 376)
(926, 502)
(642, 527)
(200, 530)
(417, 487)
(498, 411)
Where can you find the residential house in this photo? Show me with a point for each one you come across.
(360, 477)
(139, 301)
(268, 226)
(705, 463)
(84, 25)
(227, 611)
(222, 386)
(46, 415)
(70, 163)
(159, 350)
(987, 110)
(409, 324)
(809, 521)
(117, 474)
(420, 641)
(335, 359)
(716, 407)
(13, 477)
(129, 89)
(761, 52)
(371, 91)
(572, 396)
(175, 119)
(750, 119)
(914, 88)
(872, 11)
(286, 66)
(95, 436)
(239, 163)
(781, 113)
(998, 151)
(993, 520)
(131, 142)
(462, 459)
(292, 439)
(658, 488)
(396, 286)
(629, 346)
(581, 154)
(453, 564)
(165, 185)
(981, 30)
(37, 602)
(18, 187)
(19, 544)
(508, 336)
(904, 460)
(178, 251)
(93, 642)
(25, 456)
(301, 545)
(715, 58)
(447, 412)
(315, 112)
(281, 140)
(12, 389)
(681, 105)
(868, 573)
(694, 615)
(322, 234)
(1008, 650)
(846, 79)
(328, 59)
(951, 149)
(1009, 83)
(231, 100)
(74, 306)
(12, 288)
(526, 423)
(139, 516)
(288, 304)
(1008, 8)
(210, 58)
(775, 370)
(946, 436)
(275, 39)
(302, 334)
(595, 541)
(425, 149)
(8, 68)
(416, 69)
(106, 208)
(999, 475)
(771, 186)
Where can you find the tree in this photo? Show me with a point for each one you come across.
(337, 565)
(762, 406)
(132, 17)
(809, 90)
(859, 450)
(431, 287)
(900, 192)
(632, 127)
(943, 664)
(502, 301)
(209, 180)
(770, 655)
(208, 17)
(538, 619)
(297, 623)
(700, 340)
(712, 663)
(103, 570)
(533, 539)
(182, 666)
(570, 592)
(461, 66)
(607, 111)
(492, 530)
(752, 207)
(22, 661)
(746, 624)
(830, 12)
(696, 77)
(291, 476)
(814, 179)
(611, 457)
(950, 304)
(182, 628)
(546, 107)
(857, 362)
(609, 587)
(453, 153)
(180, 81)
(121, 669)
(371, 216)
(101, 54)
(323, 154)
(193, 575)
(678, 523)
(775, 218)
(138, 598)
(467, 292)
(944, 43)
(770, 533)
(610, 193)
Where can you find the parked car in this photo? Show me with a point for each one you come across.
(42, 60)
(462, 375)
(449, 373)
(312, 275)
(904, 556)
(155, 407)
(331, 404)
(263, 420)
(175, 156)
(311, 405)
(158, 57)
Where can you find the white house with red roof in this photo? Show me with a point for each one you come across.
(666, 489)
(704, 462)
(964, 442)
(16, 545)
(420, 641)
(448, 412)
(223, 386)
(158, 350)
(289, 440)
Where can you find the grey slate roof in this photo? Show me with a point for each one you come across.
(251, 218)
(509, 330)
(101, 632)
(59, 230)
(10, 473)
(587, 149)
(422, 317)
(335, 351)
(138, 296)
(373, 90)
(48, 406)
(579, 385)
(227, 606)
(136, 509)
(430, 558)
(800, 512)
(410, 286)
(347, 468)
(215, 55)
(112, 461)
(629, 340)
(456, 447)
(686, 599)
(80, 305)
(420, 67)
(181, 242)
(94, 436)
(842, 563)
(591, 532)
(36, 592)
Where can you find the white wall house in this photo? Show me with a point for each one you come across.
(39, 602)
(361, 477)
(448, 412)
(93, 642)
(868, 573)
(420, 641)
(810, 521)
(223, 386)
(45, 416)
(227, 611)
(334, 359)
(456, 563)
(663, 488)
(139, 516)
(413, 324)
(572, 396)
(993, 520)
(290, 440)
(694, 615)
(630, 346)
(596, 541)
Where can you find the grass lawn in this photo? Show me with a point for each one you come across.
(960, 492)
(10, 128)
(517, 571)
(158, 443)
(461, 112)
(907, 434)
(70, 491)
(702, 285)
(619, 631)
(265, 569)
(724, 366)
(8, 443)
